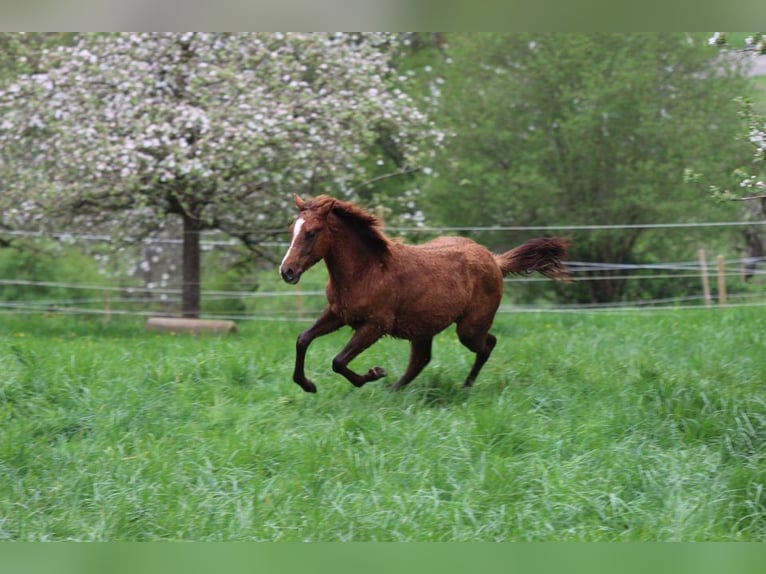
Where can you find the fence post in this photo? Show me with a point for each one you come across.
(721, 281)
(703, 273)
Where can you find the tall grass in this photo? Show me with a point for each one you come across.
(580, 427)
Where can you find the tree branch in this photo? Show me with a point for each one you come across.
(386, 176)
(747, 198)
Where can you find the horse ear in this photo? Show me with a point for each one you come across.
(298, 201)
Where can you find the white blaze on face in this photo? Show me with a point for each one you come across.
(296, 231)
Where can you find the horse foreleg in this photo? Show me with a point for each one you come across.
(420, 355)
(363, 337)
(327, 323)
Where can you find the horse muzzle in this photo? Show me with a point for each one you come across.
(289, 275)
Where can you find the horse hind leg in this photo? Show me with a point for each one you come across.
(420, 356)
(480, 342)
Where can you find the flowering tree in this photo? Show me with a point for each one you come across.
(748, 181)
(18, 55)
(136, 131)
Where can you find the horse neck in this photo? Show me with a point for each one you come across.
(348, 257)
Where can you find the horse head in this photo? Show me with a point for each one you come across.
(311, 237)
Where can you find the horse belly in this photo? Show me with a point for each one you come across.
(413, 325)
(429, 308)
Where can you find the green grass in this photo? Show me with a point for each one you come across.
(581, 427)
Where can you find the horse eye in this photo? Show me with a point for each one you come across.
(310, 234)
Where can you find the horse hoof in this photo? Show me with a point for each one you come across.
(377, 373)
(308, 386)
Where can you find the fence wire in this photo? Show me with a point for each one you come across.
(111, 296)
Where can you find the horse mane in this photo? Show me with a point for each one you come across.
(365, 225)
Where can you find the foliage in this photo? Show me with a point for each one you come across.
(740, 41)
(746, 181)
(399, 199)
(136, 132)
(555, 129)
(582, 427)
(20, 52)
(55, 272)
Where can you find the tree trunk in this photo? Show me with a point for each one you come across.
(190, 290)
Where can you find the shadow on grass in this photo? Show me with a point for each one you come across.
(438, 391)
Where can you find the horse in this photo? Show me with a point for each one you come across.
(381, 286)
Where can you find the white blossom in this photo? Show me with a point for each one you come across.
(230, 124)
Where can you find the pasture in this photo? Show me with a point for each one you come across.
(602, 426)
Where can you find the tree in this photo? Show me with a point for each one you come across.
(747, 182)
(136, 131)
(18, 55)
(584, 129)
(19, 52)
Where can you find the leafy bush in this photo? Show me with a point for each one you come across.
(44, 270)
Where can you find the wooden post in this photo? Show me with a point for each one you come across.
(721, 281)
(705, 281)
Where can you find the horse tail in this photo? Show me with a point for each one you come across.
(542, 254)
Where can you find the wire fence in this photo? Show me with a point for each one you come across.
(111, 298)
(68, 235)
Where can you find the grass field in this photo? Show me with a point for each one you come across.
(620, 426)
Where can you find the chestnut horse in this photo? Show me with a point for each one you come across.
(379, 286)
